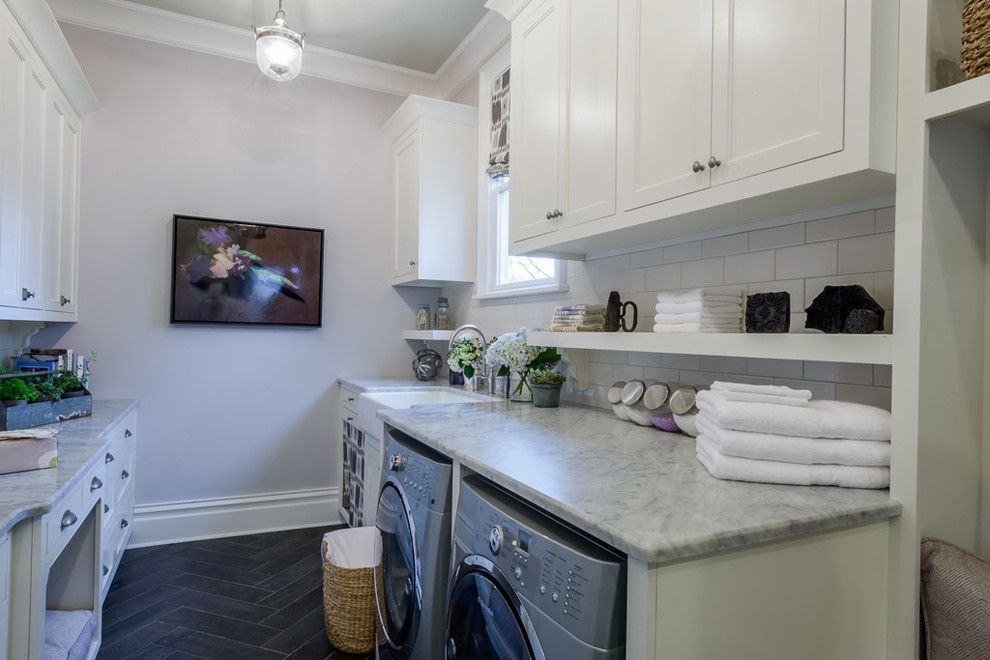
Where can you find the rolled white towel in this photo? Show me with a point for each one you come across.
(697, 306)
(788, 449)
(729, 294)
(777, 472)
(699, 317)
(697, 327)
(819, 419)
(764, 398)
(769, 390)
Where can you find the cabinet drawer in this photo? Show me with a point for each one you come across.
(94, 486)
(125, 429)
(63, 521)
(124, 518)
(4, 573)
(123, 474)
(349, 400)
(107, 558)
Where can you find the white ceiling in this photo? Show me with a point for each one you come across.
(416, 34)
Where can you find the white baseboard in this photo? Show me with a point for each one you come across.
(193, 520)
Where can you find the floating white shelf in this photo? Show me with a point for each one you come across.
(428, 335)
(862, 349)
(968, 101)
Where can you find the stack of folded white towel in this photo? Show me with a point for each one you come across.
(578, 318)
(699, 310)
(775, 434)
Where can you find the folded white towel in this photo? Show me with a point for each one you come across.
(764, 398)
(578, 320)
(579, 309)
(819, 419)
(769, 390)
(699, 317)
(775, 472)
(697, 306)
(728, 294)
(593, 327)
(788, 449)
(697, 327)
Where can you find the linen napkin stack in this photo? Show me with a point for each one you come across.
(774, 434)
(578, 318)
(699, 310)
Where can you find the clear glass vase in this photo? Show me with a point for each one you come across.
(519, 389)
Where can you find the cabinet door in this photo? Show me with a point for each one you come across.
(406, 158)
(665, 99)
(68, 250)
(779, 70)
(14, 72)
(52, 218)
(590, 49)
(33, 188)
(535, 120)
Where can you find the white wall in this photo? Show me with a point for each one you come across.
(230, 411)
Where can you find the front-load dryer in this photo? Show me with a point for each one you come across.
(526, 586)
(414, 518)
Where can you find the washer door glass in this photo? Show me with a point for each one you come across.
(400, 580)
(483, 624)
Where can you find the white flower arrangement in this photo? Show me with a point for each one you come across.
(466, 354)
(510, 352)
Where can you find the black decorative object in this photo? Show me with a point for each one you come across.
(850, 309)
(427, 364)
(768, 312)
(615, 314)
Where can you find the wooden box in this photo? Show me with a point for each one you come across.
(29, 415)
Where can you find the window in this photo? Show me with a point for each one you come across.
(499, 274)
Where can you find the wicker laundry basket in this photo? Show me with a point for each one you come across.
(349, 593)
(975, 50)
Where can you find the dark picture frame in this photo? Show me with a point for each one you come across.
(246, 273)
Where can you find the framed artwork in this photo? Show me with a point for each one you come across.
(247, 273)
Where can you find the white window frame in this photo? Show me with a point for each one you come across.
(488, 239)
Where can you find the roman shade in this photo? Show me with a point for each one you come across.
(498, 158)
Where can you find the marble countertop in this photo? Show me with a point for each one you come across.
(638, 489)
(80, 443)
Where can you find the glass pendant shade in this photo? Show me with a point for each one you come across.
(279, 50)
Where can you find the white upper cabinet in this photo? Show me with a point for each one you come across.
(39, 174)
(535, 121)
(779, 83)
(563, 122)
(434, 170)
(666, 99)
(725, 113)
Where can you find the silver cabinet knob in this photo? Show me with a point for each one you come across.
(550, 215)
(109, 458)
(25, 294)
(557, 213)
(713, 162)
(106, 569)
(124, 474)
(349, 419)
(697, 167)
(350, 399)
(95, 485)
(127, 433)
(124, 523)
(69, 519)
(412, 262)
(64, 301)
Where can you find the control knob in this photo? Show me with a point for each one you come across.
(517, 572)
(495, 538)
(398, 463)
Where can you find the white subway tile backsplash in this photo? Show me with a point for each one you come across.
(663, 278)
(885, 219)
(839, 372)
(751, 267)
(706, 272)
(668, 376)
(870, 396)
(630, 281)
(608, 264)
(752, 380)
(647, 258)
(765, 239)
(775, 368)
(683, 362)
(730, 365)
(811, 260)
(793, 287)
(856, 224)
(600, 373)
(867, 253)
(699, 378)
(883, 290)
(719, 247)
(682, 252)
(882, 375)
(645, 359)
(627, 372)
(613, 357)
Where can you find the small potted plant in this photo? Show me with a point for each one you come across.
(48, 389)
(16, 392)
(71, 385)
(546, 385)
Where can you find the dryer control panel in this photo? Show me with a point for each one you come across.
(423, 474)
(576, 581)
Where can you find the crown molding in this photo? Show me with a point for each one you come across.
(507, 8)
(38, 23)
(174, 29)
(480, 45)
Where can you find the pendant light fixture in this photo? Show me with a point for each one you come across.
(279, 49)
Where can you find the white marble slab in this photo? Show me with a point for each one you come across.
(81, 443)
(640, 490)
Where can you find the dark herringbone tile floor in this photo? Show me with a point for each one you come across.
(241, 598)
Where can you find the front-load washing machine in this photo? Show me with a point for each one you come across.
(526, 586)
(414, 518)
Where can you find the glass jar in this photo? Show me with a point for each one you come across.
(423, 317)
(443, 314)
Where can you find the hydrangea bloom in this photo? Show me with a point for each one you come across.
(511, 350)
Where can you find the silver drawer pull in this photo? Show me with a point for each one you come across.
(106, 569)
(350, 419)
(106, 508)
(124, 474)
(350, 399)
(127, 433)
(124, 523)
(95, 485)
(69, 519)
(109, 458)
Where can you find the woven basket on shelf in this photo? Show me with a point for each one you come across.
(349, 606)
(975, 51)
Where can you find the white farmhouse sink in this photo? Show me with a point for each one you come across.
(371, 402)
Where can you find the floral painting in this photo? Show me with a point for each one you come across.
(231, 272)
